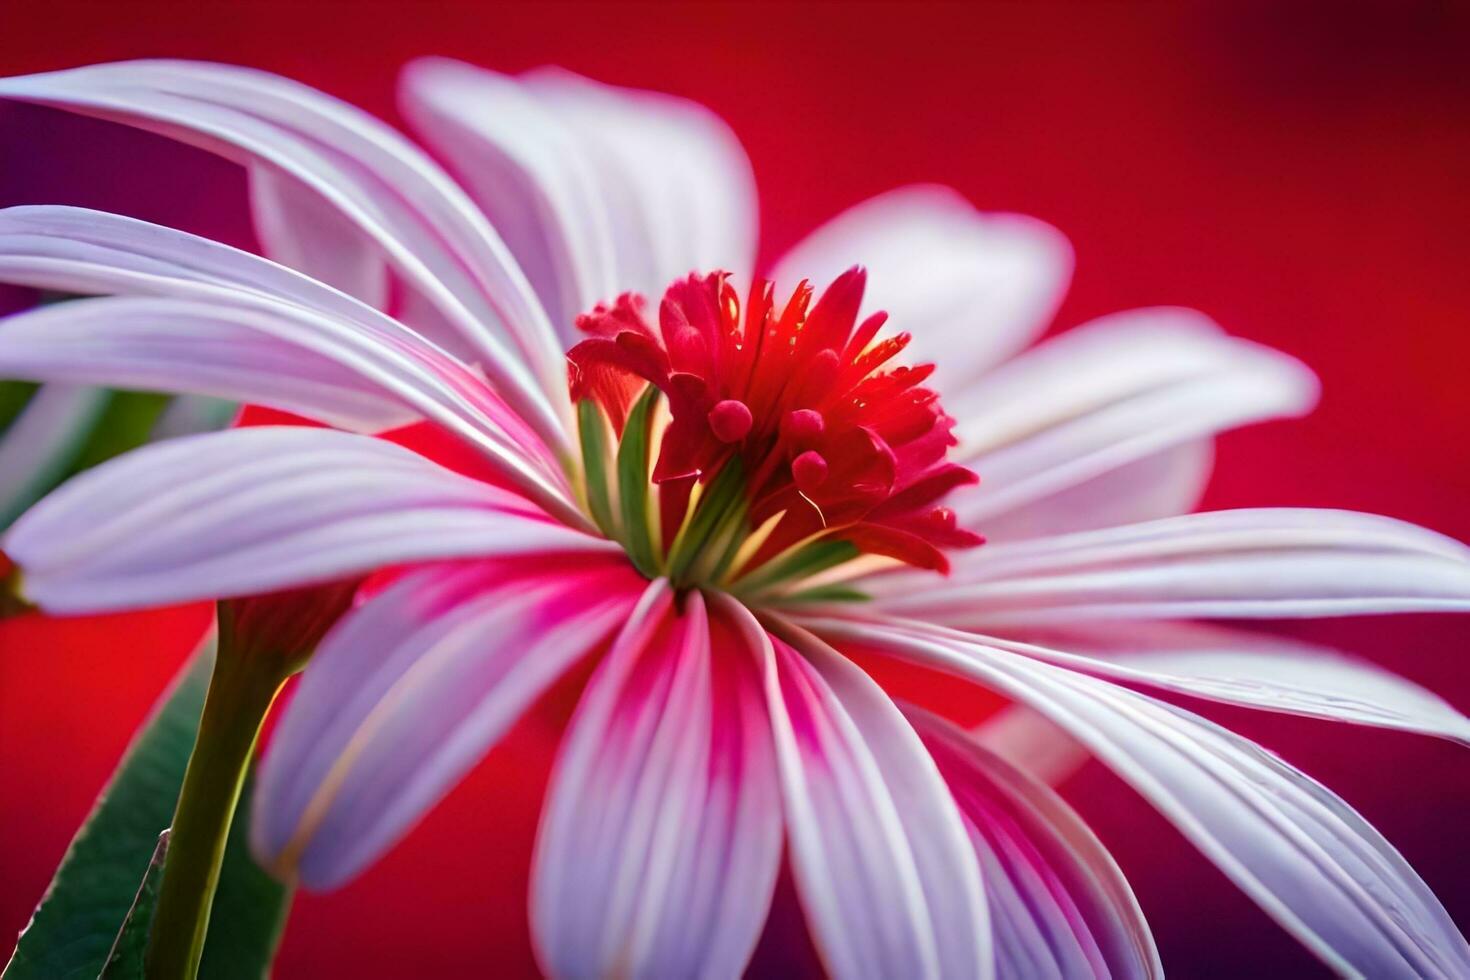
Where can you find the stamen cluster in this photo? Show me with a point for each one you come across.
(790, 421)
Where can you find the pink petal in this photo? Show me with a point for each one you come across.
(972, 288)
(259, 510)
(1299, 851)
(409, 691)
(885, 872)
(1245, 563)
(1059, 904)
(661, 838)
(424, 224)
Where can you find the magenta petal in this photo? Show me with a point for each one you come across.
(409, 691)
(660, 843)
(1059, 904)
(886, 874)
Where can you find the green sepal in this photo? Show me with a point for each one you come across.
(633, 476)
(77, 924)
(592, 430)
(725, 491)
(802, 562)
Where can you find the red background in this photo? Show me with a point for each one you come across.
(1297, 173)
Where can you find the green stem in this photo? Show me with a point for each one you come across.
(241, 690)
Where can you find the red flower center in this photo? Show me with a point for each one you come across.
(799, 405)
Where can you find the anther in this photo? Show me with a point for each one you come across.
(730, 420)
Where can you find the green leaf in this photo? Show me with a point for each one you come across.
(14, 397)
(87, 904)
(592, 430)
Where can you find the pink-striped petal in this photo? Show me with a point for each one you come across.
(1108, 395)
(886, 874)
(1294, 847)
(1059, 905)
(409, 691)
(257, 510)
(426, 227)
(972, 288)
(661, 838)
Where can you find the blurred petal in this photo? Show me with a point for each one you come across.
(258, 510)
(1252, 670)
(1166, 484)
(887, 877)
(679, 190)
(972, 288)
(39, 443)
(411, 690)
(1031, 743)
(1298, 850)
(662, 833)
(427, 228)
(1060, 906)
(299, 229)
(1281, 562)
(1109, 394)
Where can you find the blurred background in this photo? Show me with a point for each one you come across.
(1296, 171)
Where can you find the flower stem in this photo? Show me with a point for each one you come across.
(241, 690)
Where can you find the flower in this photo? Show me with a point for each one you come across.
(744, 497)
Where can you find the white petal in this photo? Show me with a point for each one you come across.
(275, 314)
(886, 875)
(661, 838)
(1060, 906)
(407, 692)
(301, 230)
(972, 288)
(1249, 669)
(676, 182)
(1112, 393)
(256, 510)
(395, 195)
(1246, 563)
(1298, 850)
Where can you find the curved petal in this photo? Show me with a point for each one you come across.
(887, 877)
(972, 288)
(661, 838)
(1282, 562)
(277, 315)
(679, 190)
(426, 227)
(1108, 394)
(257, 510)
(1249, 669)
(408, 692)
(1059, 904)
(1294, 847)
